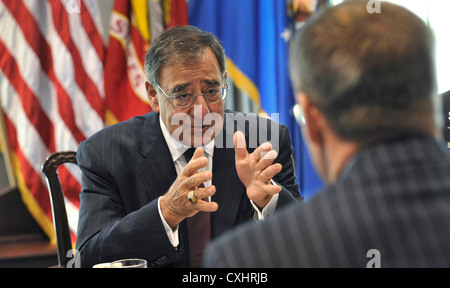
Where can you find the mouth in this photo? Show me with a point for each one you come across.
(202, 128)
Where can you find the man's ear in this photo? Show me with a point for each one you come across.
(152, 96)
(313, 119)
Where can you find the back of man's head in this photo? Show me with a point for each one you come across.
(371, 75)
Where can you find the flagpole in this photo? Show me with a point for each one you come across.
(4, 144)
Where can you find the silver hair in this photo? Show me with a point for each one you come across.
(181, 43)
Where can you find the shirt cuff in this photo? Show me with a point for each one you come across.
(172, 234)
(268, 210)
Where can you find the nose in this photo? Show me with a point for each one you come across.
(200, 100)
(200, 107)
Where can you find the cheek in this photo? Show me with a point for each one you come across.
(216, 116)
(217, 109)
(169, 116)
(316, 155)
(319, 162)
(175, 120)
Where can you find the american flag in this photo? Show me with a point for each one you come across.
(51, 92)
(57, 84)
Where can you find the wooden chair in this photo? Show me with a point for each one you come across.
(60, 222)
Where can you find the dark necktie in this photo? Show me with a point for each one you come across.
(199, 228)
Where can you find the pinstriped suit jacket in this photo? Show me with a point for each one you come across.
(394, 197)
(128, 166)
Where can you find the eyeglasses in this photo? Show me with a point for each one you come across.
(298, 114)
(185, 99)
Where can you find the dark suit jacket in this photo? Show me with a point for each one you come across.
(446, 106)
(394, 198)
(128, 166)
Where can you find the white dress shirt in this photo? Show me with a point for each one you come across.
(177, 150)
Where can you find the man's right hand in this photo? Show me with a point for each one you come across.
(175, 205)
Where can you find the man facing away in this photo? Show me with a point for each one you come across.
(364, 86)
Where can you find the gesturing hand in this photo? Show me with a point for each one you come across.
(175, 205)
(256, 169)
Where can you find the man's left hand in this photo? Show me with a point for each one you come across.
(256, 169)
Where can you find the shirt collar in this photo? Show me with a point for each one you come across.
(176, 148)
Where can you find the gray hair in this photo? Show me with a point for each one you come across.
(369, 74)
(183, 44)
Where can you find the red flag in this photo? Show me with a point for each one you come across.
(52, 95)
(124, 68)
(129, 41)
(176, 13)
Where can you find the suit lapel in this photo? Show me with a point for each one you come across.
(153, 151)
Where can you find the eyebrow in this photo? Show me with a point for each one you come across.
(212, 82)
(181, 87)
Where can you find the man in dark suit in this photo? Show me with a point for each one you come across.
(365, 84)
(446, 106)
(141, 194)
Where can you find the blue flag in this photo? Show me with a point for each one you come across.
(255, 35)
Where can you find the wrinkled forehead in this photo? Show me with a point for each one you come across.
(191, 57)
(202, 65)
